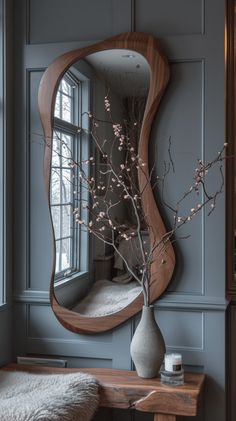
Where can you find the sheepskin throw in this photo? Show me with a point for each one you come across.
(47, 397)
(106, 297)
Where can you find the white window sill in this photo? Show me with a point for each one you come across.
(70, 280)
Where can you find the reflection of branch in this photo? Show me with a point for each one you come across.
(170, 156)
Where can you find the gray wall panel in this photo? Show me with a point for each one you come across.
(181, 117)
(6, 168)
(231, 361)
(89, 362)
(191, 314)
(169, 17)
(39, 226)
(43, 324)
(68, 21)
(5, 335)
(38, 332)
(184, 329)
(215, 366)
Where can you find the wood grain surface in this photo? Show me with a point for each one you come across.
(164, 417)
(124, 389)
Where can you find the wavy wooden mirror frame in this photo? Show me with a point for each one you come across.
(159, 76)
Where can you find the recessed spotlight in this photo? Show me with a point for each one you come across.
(128, 56)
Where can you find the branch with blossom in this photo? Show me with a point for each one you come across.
(103, 201)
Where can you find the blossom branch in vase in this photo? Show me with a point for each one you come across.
(120, 166)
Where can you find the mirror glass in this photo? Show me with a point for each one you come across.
(98, 114)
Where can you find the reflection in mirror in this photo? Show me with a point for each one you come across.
(98, 115)
(81, 261)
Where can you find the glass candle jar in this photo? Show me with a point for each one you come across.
(172, 372)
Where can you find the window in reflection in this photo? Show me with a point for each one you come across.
(67, 145)
(62, 204)
(65, 100)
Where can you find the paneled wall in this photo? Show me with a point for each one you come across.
(192, 312)
(6, 81)
(230, 362)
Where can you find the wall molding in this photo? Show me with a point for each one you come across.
(28, 296)
(168, 301)
(41, 55)
(27, 179)
(194, 302)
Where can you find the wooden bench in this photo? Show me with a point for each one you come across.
(124, 389)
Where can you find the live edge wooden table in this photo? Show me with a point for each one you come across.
(124, 389)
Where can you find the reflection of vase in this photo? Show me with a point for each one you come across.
(147, 347)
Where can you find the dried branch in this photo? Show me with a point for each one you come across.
(122, 189)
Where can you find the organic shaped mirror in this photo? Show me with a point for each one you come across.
(97, 105)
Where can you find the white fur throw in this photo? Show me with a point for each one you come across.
(106, 297)
(43, 397)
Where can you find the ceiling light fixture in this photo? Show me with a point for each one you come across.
(128, 56)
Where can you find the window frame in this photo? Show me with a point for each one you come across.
(80, 142)
(70, 203)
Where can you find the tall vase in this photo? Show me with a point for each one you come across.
(147, 347)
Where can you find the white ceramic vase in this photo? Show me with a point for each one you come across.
(147, 347)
